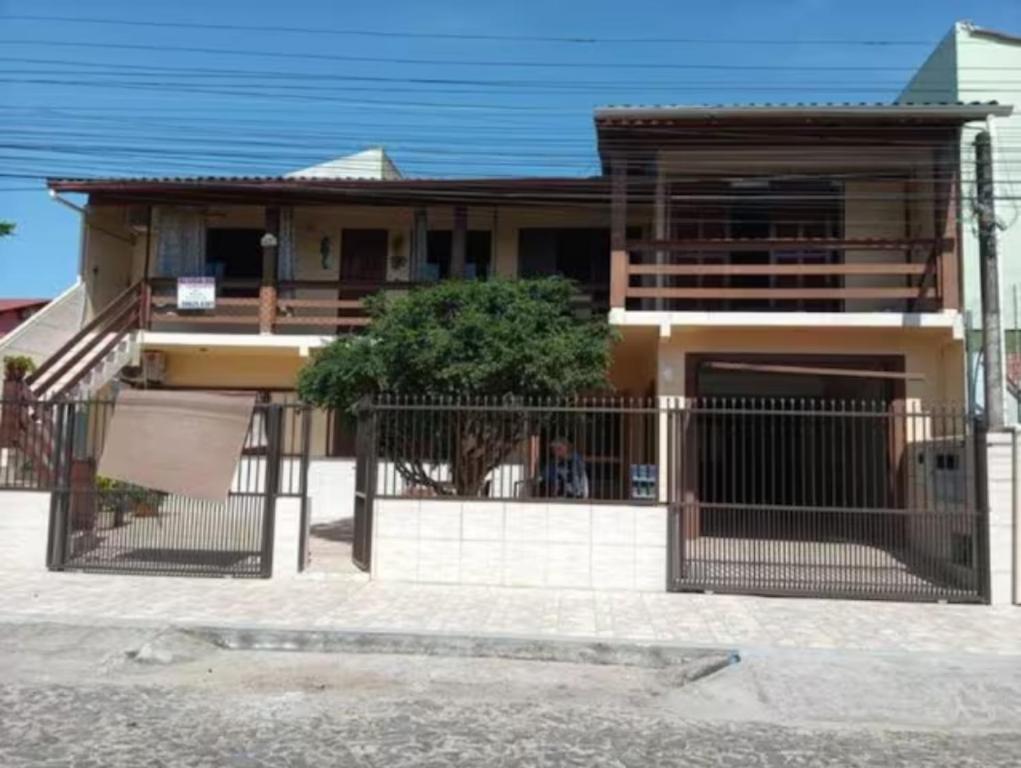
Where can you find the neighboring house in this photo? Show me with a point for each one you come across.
(976, 64)
(13, 312)
(49, 325)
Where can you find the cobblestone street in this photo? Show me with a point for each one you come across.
(128, 697)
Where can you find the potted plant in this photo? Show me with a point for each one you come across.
(18, 367)
(12, 412)
(120, 498)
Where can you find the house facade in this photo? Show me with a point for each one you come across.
(791, 237)
(804, 255)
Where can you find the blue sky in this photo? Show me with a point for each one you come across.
(97, 99)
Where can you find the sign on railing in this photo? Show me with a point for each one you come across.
(196, 293)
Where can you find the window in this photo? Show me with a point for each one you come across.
(440, 246)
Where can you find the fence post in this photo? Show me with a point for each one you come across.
(365, 483)
(60, 498)
(981, 448)
(306, 442)
(273, 414)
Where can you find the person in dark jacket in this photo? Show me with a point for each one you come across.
(564, 475)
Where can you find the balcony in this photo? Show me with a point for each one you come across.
(314, 307)
(785, 275)
(306, 307)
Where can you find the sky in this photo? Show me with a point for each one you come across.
(450, 88)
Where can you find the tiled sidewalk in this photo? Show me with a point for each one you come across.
(355, 604)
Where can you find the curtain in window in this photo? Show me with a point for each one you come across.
(180, 243)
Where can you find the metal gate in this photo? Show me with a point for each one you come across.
(855, 500)
(365, 485)
(106, 526)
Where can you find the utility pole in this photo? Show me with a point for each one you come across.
(992, 332)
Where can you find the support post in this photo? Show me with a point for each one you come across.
(661, 226)
(268, 287)
(459, 243)
(948, 178)
(992, 330)
(419, 244)
(619, 276)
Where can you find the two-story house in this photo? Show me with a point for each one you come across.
(810, 253)
(723, 241)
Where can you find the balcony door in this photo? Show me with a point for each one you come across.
(234, 258)
(363, 255)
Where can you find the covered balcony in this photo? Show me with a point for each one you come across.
(818, 209)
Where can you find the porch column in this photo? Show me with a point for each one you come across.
(419, 245)
(618, 234)
(947, 177)
(660, 227)
(459, 243)
(268, 288)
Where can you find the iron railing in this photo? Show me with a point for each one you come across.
(843, 499)
(102, 525)
(578, 450)
(799, 497)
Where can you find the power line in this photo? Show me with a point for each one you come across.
(601, 64)
(486, 37)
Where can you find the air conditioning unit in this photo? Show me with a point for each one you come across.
(154, 366)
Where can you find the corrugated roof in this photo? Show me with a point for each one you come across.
(9, 305)
(959, 111)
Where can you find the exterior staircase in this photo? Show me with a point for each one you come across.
(33, 412)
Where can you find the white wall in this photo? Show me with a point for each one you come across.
(48, 329)
(1002, 518)
(24, 521)
(582, 546)
(331, 488)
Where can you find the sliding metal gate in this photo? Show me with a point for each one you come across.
(819, 499)
(97, 525)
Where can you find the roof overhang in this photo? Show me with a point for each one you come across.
(646, 129)
(410, 192)
(922, 113)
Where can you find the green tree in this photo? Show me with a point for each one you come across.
(503, 339)
(6, 228)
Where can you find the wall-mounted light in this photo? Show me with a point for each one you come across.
(269, 240)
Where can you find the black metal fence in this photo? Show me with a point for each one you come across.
(99, 524)
(799, 497)
(578, 450)
(843, 499)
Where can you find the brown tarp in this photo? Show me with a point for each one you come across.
(186, 443)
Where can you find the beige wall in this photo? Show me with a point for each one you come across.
(244, 369)
(933, 354)
(635, 356)
(114, 255)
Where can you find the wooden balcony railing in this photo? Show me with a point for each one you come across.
(804, 274)
(295, 306)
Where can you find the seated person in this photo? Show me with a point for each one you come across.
(564, 475)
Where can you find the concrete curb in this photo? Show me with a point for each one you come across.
(694, 663)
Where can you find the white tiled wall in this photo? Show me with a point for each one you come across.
(24, 523)
(520, 544)
(1000, 469)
